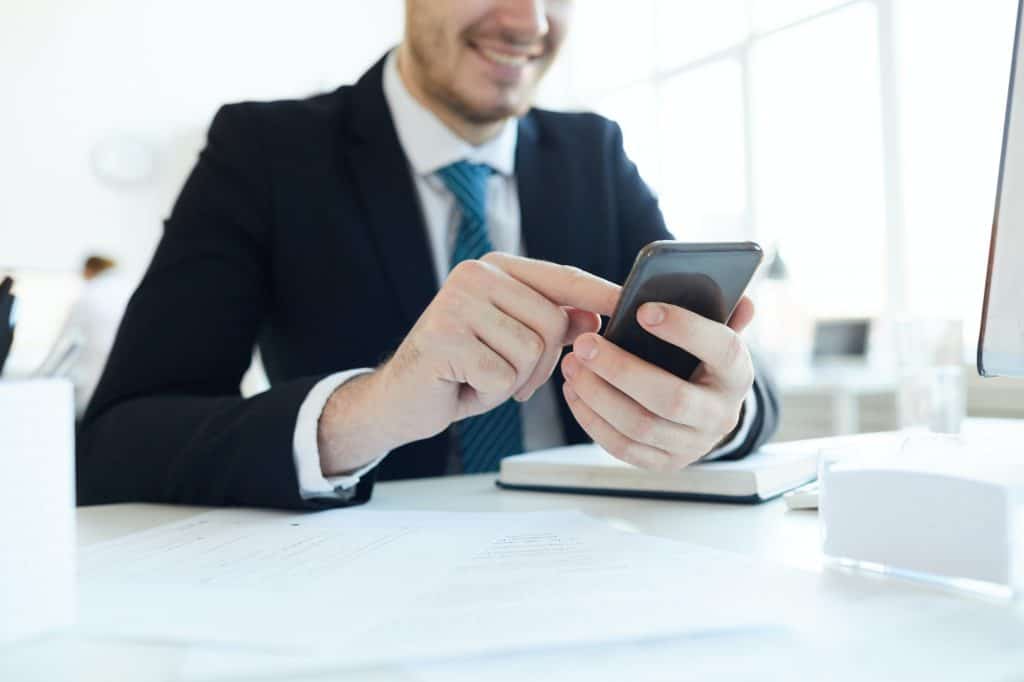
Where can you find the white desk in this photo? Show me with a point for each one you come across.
(898, 631)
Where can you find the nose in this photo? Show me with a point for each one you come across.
(526, 20)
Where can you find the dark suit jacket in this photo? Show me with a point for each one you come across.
(299, 229)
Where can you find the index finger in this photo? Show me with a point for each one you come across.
(561, 284)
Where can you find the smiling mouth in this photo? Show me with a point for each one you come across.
(514, 59)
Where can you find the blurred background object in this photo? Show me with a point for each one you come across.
(848, 134)
(932, 385)
(841, 341)
(88, 333)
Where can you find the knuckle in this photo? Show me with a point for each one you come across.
(574, 274)
(620, 448)
(452, 301)
(471, 270)
(678, 407)
(661, 464)
(575, 277)
(505, 378)
(557, 327)
(534, 344)
(676, 461)
(441, 327)
(489, 364)
(642, 426)
(587, 420)
(493, 258)
(734, 351)
(500, 375)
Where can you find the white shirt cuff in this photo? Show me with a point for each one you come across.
(306, 452)
(740, 434)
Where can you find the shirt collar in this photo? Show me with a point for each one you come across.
(429, 144)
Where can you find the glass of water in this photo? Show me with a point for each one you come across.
(932, 394)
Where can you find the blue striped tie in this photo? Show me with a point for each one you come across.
(485, 438)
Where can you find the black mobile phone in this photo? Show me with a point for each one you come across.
(708, 279)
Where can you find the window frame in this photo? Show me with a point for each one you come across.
(895, 299)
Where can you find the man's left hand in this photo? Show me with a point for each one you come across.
(647, 416)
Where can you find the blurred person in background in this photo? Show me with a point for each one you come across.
(411, 253)
(92, 324)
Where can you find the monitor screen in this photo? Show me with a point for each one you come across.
(1001, 345)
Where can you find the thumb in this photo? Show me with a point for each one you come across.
(742, 315)
(580, 322)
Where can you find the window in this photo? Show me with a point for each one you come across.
(861, 138)
(703, 177)
(819, 192)
(953, 79)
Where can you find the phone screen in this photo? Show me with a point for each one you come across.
(708, 279)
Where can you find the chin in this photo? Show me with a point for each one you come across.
(494, 114)
(494, 109)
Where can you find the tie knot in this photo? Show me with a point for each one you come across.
(468, 182)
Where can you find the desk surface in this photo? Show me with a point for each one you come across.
(768, 531)
(941, 635)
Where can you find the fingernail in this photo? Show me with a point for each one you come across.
(586, 348)
(652, 313)
(570, 394)
(569, 367)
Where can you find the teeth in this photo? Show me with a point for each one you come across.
(507, 59)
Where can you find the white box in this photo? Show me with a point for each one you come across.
(37, 507)
(952, 512)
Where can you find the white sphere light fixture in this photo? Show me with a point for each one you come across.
(123, 161)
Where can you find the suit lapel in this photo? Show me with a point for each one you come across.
(385, 187)
(543, 207)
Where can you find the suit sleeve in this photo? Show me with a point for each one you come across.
(640, 222)
(167, 422)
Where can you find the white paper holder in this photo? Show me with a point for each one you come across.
(37, 507)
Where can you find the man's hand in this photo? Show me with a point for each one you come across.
(495, 330)
(648, 417)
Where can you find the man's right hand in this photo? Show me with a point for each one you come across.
(495, 330)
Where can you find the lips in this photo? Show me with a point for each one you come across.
(503, 58)
(503, 55)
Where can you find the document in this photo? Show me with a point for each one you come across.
(768, 653)
(360, 587)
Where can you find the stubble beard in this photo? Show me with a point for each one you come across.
(435, 87)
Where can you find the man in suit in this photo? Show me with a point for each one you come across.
(411, 253)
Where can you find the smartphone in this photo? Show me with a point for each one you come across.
(708, 279)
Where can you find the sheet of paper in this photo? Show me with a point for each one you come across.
(358, 587)
(769, 653)
(284, 581)
(570, 585)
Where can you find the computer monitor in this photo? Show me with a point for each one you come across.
(1001, 342)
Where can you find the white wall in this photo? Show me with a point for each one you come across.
(75, 73)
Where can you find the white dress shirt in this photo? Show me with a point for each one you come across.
(429, 146)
